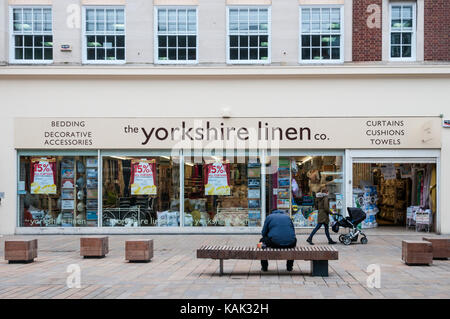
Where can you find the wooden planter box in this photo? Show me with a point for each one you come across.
(139, 250)
(21, 250)
(417, 252)
(441, 247)
(94, 246)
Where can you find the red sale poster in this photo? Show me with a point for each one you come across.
(43, 176)
(217, 179)
(143, 176)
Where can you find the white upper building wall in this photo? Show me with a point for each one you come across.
(212, 28)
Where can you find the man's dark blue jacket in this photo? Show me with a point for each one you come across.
(279, 228)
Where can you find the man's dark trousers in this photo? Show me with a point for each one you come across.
(270, 244)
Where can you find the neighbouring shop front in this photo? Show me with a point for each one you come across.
(128, 174)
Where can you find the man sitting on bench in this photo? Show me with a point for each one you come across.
(278, 232)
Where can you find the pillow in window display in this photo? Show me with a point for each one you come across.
(81, 207)
(80, 167)
(80, 195)
(81, 182)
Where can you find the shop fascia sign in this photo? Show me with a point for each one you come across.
(232, 133)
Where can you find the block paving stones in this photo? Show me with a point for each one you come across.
(175, 272)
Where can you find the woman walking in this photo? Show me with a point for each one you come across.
(322, 219)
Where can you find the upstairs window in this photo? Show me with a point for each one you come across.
(176, 35)
(104, 35)
(248, 35)
(321, 36)
(403, 31)
(31, 35)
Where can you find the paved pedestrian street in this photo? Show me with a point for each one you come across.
(175, 272)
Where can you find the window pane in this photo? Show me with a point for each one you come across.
(243, 53)
(254, 41)
(120, 54)
(306, 27)
(253, 54)
(233, 41)
(38, 41)
(182, 41)
(28, 40)
(90, 14)
(336, 41)
(18, 54)
(91, 54)
(395, 38)
(182, 54)
(396, 12)
(172, 54)
(120, 41)
(192, 43)
(406, 51)
(395, 51)
(264, 53)
(100, 54)
(162, 53)
(316, 53)
(18, 40)
(243, 41)
(335, 54)
(233, 54)
(172, 41)
(306, 41)
(192, 54)
(38, 53)
(28, 53)
(306, 15)
(315, 40)
(326, 53)
(162, 41)
(406, 38)
(306, 54)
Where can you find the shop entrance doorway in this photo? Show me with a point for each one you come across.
(396, 191)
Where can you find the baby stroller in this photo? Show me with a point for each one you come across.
(355, 216)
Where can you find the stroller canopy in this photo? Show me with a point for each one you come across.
(356, 215)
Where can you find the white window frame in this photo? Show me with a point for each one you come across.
(413, 31)
(269, 35)
(84, 36)
(156, 34)
(12, 46)
(341, 34)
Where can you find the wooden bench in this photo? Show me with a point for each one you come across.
(21, 250)
(139, 250)
(417, 252)
(441, 247)
(318, 255)
(94, 246)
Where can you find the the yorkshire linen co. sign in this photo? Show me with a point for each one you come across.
(239, 133)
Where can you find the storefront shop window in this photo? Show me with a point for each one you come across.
(321, 34)
(176, 35)
(248, 35)
(32, 35)
(222, 192)
(58, 191)
(104, 36)
(293, 182)
(141, 191)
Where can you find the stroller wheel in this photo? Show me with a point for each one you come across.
(341, 238)
(364, 240)
(347, 241)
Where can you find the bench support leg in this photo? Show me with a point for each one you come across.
(319, 268)
(221, 266)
